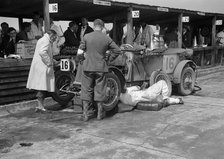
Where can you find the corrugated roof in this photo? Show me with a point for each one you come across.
(212, 6)
(75, 9)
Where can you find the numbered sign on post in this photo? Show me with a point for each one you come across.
(53, 8)
(185, 19)
(65, 65)
(135, 14)
(218, 22)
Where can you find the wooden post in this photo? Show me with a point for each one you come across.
(180, 28)
(20, 19)
(115, 30)
(202, 57)
(46, 15)
(214, 50)
(129, 26)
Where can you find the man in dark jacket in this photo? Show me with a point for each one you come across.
(186, 38)
(95, 44)
(71, 38)
(84, 29)
(9, 43)
(23, 34)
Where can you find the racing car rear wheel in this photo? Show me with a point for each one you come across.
(160, 75)
(187, 81)
(113, 90)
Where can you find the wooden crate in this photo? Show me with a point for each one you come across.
(13, 78)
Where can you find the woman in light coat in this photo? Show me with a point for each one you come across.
(41, 75)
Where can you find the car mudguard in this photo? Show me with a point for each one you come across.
(179, 68)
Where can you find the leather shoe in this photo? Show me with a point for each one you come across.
(181, 101)
(165, 103)
(100, 112)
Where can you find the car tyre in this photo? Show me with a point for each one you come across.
(62, 78)
(187, 81)
(113, 91)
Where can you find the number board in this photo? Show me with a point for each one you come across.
(135, 14)
(218, 22)
(53, 8)
(65, 65)
(185, 19)
(169, 63)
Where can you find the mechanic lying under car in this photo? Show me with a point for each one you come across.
(157, 93)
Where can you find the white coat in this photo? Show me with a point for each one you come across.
(41, 75)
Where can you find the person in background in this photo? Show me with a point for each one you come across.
(171, 37)
(186, 38)
(4, 31)
(60, 39)
(84, 29)
(36, 31)
(3, 35)
(9, 43)
(147, 34)
(41, 76)
(119, 33)
(125, 33)
(23, 34)
(95, 44)
(137, 34)
(220, 37)
(71, 38)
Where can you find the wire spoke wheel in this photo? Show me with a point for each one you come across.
(113, 89)
(187, 81)
(62, 79)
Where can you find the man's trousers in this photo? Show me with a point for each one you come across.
(93, 86)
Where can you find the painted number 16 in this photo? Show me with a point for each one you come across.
(169, 63)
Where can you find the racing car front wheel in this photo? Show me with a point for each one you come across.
(62, 79)
(187, 81)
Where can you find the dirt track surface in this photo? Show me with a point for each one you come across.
(212, 85)
(193, 130)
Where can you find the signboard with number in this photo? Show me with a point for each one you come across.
(53, 8)
(218, 22)
(185, 19)
(65, 65)
(135, 14)
(169, 63)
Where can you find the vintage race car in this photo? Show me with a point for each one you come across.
(132, 67)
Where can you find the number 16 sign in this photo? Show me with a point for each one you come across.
(65, 65)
